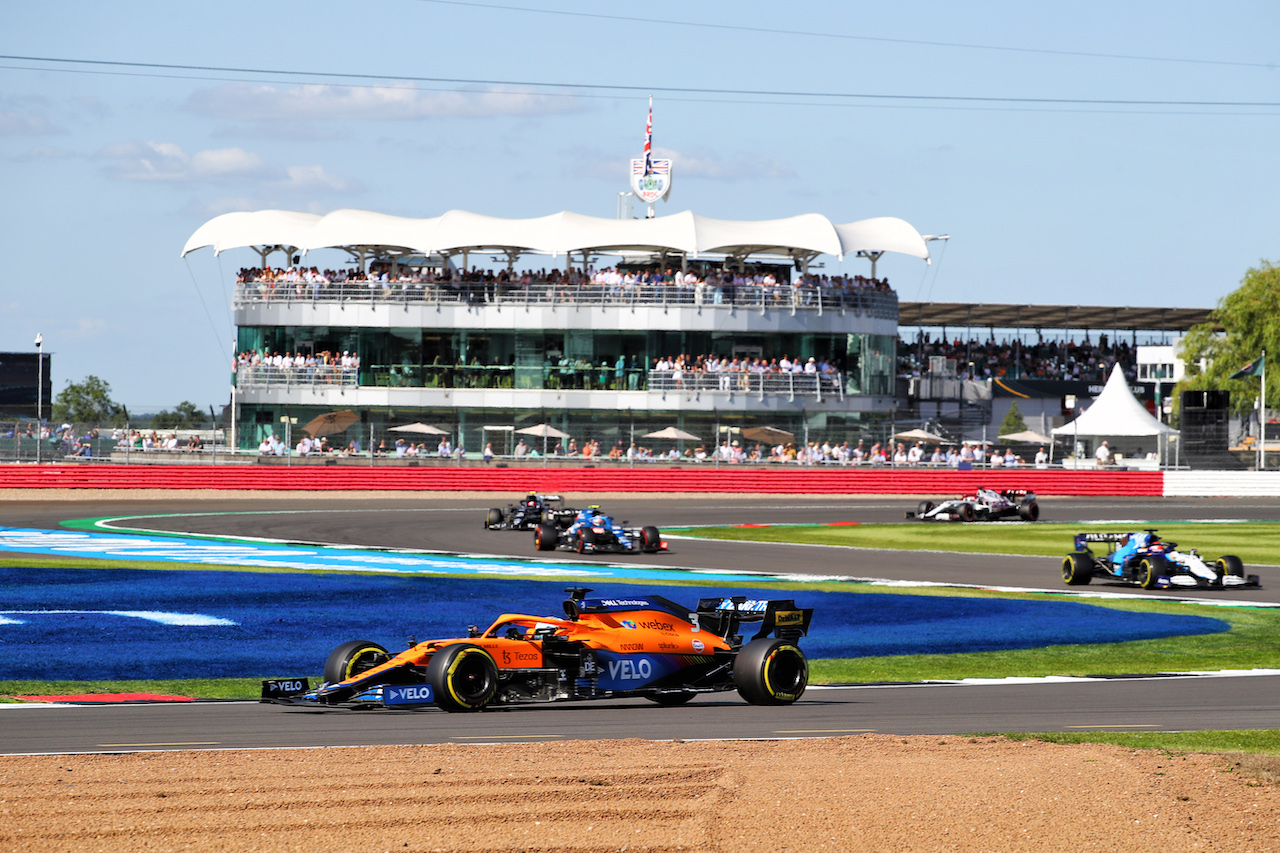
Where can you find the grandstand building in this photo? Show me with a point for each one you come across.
(415, 333)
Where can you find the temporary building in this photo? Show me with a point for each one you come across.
(1117, 414)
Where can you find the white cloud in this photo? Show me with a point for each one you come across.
(738, 167)
(263, 103)
(165, 162)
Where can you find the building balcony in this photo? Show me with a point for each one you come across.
(875, 304)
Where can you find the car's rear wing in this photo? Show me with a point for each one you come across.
(780, 617)
(1018, 493)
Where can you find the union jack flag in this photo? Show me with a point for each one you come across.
(655, 167)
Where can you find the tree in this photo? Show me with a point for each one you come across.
(89, 403)
(185, 416)
(1013, 421)
(1246, 322)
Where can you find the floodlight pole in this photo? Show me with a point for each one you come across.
(39, 394)
(1262, 415)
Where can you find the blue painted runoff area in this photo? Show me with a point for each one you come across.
(110, 624)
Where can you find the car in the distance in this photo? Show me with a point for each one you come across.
(982, 505)
(593, 532)
(1143, 559)
(530, 511)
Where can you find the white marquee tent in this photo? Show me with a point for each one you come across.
(458, 231)
(1117, 414)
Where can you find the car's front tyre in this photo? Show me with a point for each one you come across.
(492, 518)
(463, 677)
(1229, 566)
(351, 659)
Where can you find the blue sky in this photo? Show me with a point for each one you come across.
(107, 170)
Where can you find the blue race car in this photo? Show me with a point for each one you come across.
(1145, 560)
(594, 532)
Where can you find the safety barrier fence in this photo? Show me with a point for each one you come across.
(650, 479)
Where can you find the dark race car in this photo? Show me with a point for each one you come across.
(600, 648)
(982, 505)
(594, 532)
(530, 511)
(1145, 560)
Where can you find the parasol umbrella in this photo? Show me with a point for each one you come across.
(545, 431)
(421, 429)
(1027, 436)
(330, 423)
(920, 435)
(672, 433)
(769, 435)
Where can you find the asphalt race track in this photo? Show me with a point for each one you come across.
(454, 525)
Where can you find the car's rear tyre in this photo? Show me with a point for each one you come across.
(668, 700)
(1077, 569)
(1029, 511)
(492, 518)
(966, 512)
(463, 677)
(924, 508)
(350, 659)
(1229, 566)
(1148, 574)
(546, 537)
(584, 541)
(650, 539)
(771, 672)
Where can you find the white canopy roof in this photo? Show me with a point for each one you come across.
(1115, 412)
(459, 230)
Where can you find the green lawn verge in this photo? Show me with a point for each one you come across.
(197, 688)
(1252, 542)
(1261, 741)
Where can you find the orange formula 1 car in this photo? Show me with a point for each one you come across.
(600, 648)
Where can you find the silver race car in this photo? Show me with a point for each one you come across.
(982, 505)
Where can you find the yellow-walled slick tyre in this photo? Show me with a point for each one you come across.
(1077, 569)
(463, 677)
(771, 672)
(1149, 572)
(350, 659)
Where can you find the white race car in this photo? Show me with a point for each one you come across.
(982, 505)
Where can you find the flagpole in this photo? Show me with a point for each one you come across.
(1262, 414)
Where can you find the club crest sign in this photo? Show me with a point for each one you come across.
(653, 185)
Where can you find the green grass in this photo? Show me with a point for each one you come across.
(1253, 542)
(199, 688)
(1252, 643)
(1260, 741)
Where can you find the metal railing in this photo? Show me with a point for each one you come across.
(578, 377)
(249, 376)
(881, 304)
(759, 384)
